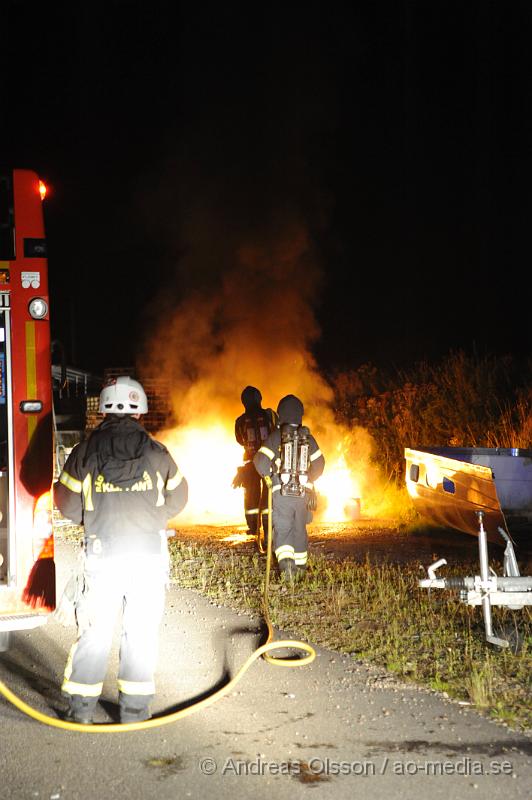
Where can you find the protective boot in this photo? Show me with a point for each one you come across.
(134, 708)
(287, 568)
(81, 709)
(301, 570)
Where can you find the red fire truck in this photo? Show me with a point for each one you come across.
(27, 570)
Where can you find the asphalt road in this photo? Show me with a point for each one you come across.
(336, 726)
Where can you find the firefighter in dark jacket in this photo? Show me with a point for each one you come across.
(292, 457)
(123, 486)
(252, 428)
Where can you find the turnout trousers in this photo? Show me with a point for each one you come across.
(254, 504)
(135, 586)
(290, 517)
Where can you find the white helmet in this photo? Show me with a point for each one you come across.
(123, 395)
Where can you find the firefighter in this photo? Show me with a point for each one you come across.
(252, 429)
(292, 457)
(123, 486)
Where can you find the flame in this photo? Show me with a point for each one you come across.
(208, 456)
(339, 489)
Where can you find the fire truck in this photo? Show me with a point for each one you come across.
(27, 569)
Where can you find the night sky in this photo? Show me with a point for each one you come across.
(398, 133)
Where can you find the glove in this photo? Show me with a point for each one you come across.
(65, 613)
(312, 499)
(244, 474)
(238, 480)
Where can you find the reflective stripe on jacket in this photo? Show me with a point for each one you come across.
(128, 512)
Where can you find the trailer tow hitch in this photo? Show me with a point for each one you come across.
(487, 589)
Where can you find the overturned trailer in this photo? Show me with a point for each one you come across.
(486, 492)
(450, 485)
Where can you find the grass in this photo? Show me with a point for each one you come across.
(377, 613)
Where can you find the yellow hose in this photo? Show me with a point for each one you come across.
(260, 515)
(167, 719)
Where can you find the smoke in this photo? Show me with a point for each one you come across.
(254, 324)
(238, 205)
(239, 308)
(240, 210)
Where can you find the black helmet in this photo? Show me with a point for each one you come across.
(290, 410)
(251, 398)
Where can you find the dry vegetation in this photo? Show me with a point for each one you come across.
(464, 401)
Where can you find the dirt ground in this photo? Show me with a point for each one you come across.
(379, 540)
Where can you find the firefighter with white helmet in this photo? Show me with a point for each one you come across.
(123, 395)
(251, 430)
(123, 486)
(292, 457)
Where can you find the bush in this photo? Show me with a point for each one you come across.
(465, 400)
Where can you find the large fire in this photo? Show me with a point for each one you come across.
(246, 318)
(209, 456)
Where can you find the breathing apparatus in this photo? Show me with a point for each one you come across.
(254, 434)
(295, 459)
(255, 425)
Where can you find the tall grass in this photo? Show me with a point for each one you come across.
(465, 400)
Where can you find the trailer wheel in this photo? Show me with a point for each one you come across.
(5, 641)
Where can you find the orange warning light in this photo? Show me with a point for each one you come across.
(42, 189)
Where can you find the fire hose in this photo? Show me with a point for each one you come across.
(262, 550)
(167, 719)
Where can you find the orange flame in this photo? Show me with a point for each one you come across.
(339, 489)
(209, 456)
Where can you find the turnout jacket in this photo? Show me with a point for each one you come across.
(123, 486)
